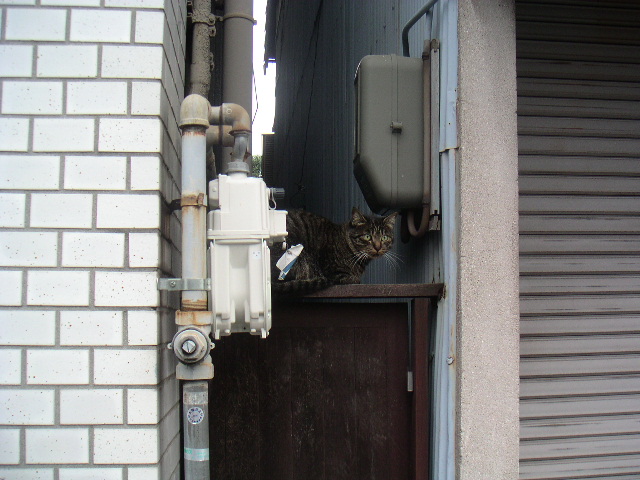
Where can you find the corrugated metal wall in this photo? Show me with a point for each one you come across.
(319, 45)
(579, 141)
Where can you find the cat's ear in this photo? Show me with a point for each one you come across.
(390, 220)
(358, 219)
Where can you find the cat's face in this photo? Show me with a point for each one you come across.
(372, 236)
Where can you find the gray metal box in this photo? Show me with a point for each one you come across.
(389, 141)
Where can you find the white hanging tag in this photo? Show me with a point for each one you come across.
(288, 260)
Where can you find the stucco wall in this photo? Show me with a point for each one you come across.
(487, 326)
(88, 160)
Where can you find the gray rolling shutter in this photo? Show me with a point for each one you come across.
(579, 143)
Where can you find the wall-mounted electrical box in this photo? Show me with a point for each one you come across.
(390, 140)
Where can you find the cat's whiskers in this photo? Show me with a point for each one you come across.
(392, 259)
(357, 258)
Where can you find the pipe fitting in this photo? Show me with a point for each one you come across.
(219, 135)
(240, 146)
(194, 111)
(191, 345)
(230, 114)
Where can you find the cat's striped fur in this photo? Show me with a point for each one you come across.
(333, 253)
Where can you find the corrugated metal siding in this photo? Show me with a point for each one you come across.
(319, 45)
(579, 140)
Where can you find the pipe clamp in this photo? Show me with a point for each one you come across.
(180, 284)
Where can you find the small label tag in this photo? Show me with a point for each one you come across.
(195, 415)
(196, 454)
(288, 260)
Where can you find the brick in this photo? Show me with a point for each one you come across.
(100, 26)
(91, 407)
(9, 446)
(27, 327)
(36, 24)
(17, 2)
(135, 3)
(14, 134)
(12, 215)
(97, 98)
(150, 27)
(28, 249)
(58, 288)
(26, 407)
(71, 3)
(119, 61)
(91, 473)
(146, 98)
(57, 367)
(142, 406)
(128, 211)
(144, 250)
(130, 135)
(64, 61)
(80, 249)
(95, 173)
(91, 328)
(63, 135)
(130, 289)
(35, 98)
(16, 60)
(57, 445)
(29, 172)
(125, 445)
(145, 173)
(11, 291)
(22, 473)
(125, 367)
(142, 327)
(61, 210)
(11, 371)
(144, 473)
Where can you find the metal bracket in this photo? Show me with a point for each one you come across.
(180, 284)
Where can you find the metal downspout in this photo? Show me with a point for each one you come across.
(237, 75)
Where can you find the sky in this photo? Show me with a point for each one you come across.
(264, 92)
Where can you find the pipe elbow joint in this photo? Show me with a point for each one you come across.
(231, 114)
(194, 111)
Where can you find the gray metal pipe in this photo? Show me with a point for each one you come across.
(194, 121)
(238, 59)
(411, 23)
(195, 426)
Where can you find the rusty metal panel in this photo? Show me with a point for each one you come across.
(579, 138)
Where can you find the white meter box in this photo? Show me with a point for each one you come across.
(240, 228)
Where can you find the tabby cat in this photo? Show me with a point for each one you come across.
(333, 254)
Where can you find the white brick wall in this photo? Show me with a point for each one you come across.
(90, 92)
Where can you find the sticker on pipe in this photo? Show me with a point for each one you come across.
(195, 415)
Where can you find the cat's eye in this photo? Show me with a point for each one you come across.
(366, 237)
(385, 238)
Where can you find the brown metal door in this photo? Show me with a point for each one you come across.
(324, 397)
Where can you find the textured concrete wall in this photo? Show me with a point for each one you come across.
(487, 342)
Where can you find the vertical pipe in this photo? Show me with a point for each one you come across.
(195, 425)
(200, 72)
(238, 59)
(194, 121)
(194, 265)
